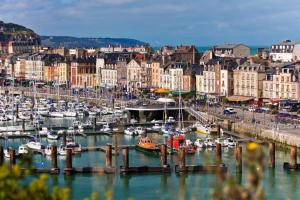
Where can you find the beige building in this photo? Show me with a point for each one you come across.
(281, 83)
(134, 75)
(155, 78)
(248, 80)
(199, 83)
(64, 72)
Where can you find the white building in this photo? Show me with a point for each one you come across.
(286, 51)
(106, 73)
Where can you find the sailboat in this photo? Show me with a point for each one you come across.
(165, 126)
(34, 143)
(180, 127)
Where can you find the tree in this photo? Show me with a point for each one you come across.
(12, 186)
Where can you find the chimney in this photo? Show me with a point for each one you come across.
(193, 54)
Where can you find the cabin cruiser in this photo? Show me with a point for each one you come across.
(229, 142)
(209, 142)
(202, 129)
(171, 120)
(70, 113)
(199, 143)
(62, 150)
(44, 111)
(35, 145)
(156, 127)
(44, 131)
(133, 121)
(105, 128)
(52, 135)
(140, 130)
(23, 149)
(130, 131)
(56, 114)
(48, 151)
(156, 121)
(23, 115)
(6, 153)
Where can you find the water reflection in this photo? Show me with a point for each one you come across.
(182, 186)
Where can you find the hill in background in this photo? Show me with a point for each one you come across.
(75, 42)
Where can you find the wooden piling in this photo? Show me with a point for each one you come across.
(108, 152)
(54, 158)
(116, 145)
(171, 143)
(181, 155)
(293, 157)
(1, 155)
(125, 155)
(12, 156)
(238, 158)
(219, 153)
(272, 154)
(69, 159)
(219, 130)
(163, 154)
(64, 138)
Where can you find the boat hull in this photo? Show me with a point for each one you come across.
(150, 151)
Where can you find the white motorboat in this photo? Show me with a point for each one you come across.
(3, 118)
(220, 141)
(87, 124)
(171, 120)
(6, 153)
(133, 121)
(44, 131)
(69, 113)
(130, 131)
(230, 142)
(140, 130)
(156, 127)
(71, 130)
(35, 145)
(106, 128)
(43, 111)
(156, 121)
(56, 114)
(23, 149)
(92, 113)
(199, 143)
(24, 116)
(202, 129)
(52, 135)
(62, 150)
(48, 151)
(209, 142)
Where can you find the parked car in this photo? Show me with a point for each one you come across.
(251, 109)
(229, 111)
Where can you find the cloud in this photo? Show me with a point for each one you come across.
(166, 21)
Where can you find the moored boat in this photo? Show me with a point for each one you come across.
(146, 145)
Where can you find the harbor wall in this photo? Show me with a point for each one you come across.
(284, 137)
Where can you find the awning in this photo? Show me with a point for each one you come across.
(239, 98)
(161, 91)
(182, 92)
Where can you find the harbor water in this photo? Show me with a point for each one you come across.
(278, 183)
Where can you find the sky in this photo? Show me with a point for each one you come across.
(161, 22)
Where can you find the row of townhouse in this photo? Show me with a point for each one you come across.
(229, 77)
(222, 76)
